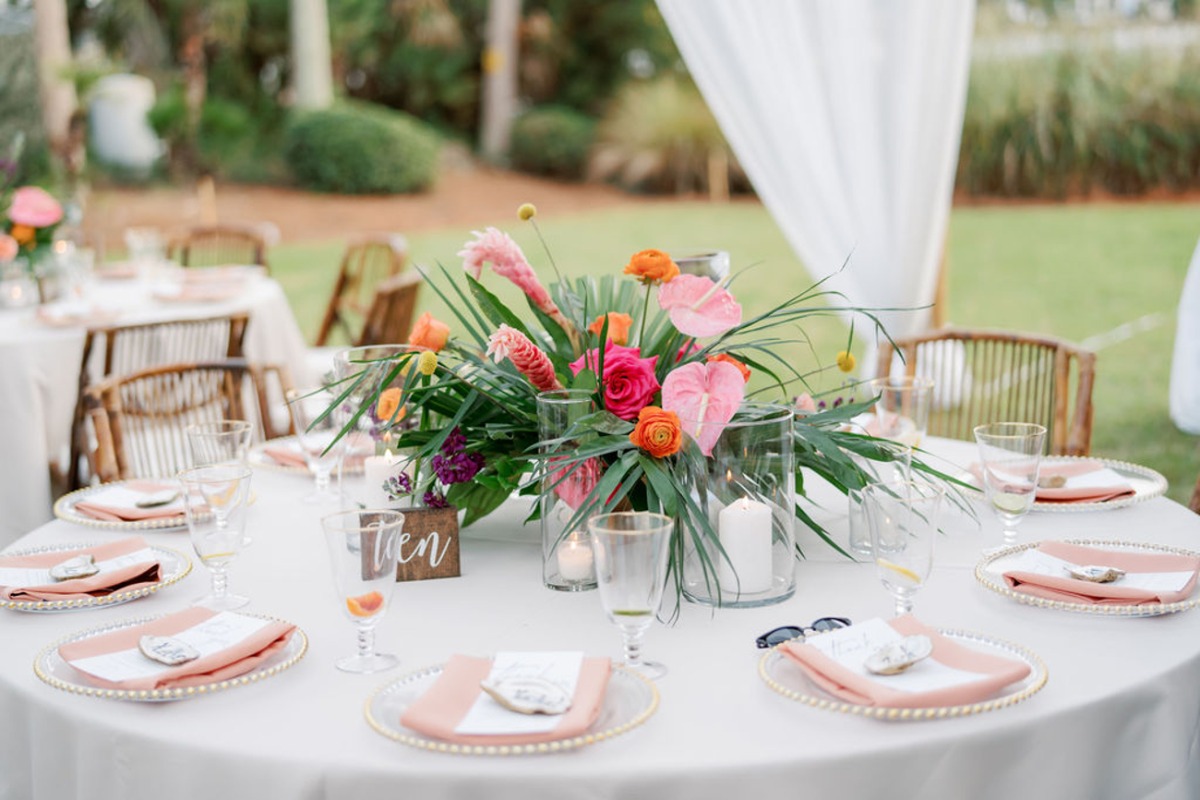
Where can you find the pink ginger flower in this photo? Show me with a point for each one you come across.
(498, 249)
(529, 360)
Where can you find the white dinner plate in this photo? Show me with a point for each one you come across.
(173, 567)
(1147, 484)
(257, 457)
(629, 701)
(64, 509)
(52, 669)
(786, 677)
(990, 572)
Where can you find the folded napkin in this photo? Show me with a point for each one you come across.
(1086, 481)
(1149, 577)
(289, 453)
(230, 644)
(200, 293)
(73, 313)
(953, 675)
(125, 565)
(228, 273)
(116, 270)
(438, 712)
(118, 502)
(286, 455)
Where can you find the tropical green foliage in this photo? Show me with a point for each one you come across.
(552, 141)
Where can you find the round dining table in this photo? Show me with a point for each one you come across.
(40, 359)
(1119, 716)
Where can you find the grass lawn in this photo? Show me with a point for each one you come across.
(1071, 271)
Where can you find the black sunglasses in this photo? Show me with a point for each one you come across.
(788, 632)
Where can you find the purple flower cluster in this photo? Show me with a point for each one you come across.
(455, 465)
(398, 486)
(434, 500)
(837, 401)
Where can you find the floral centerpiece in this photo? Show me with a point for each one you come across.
(27, 228)
(659, 361)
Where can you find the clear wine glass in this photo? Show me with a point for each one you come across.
(630, 550)
(362, 551)
(362, 373)
(223, 441)
(215, 503)
(1010, 454)
(317, 431)
(903, 519)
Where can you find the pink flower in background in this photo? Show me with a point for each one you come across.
(498, 249)
(8, 248)
(705, 396)
(691, 348)
(806, 404)
(34, 207)
(573, 483)
(628, 379)
(699, 307)
(529, 360)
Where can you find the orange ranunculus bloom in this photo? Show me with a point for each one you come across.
(618, 326)
(728, 359)
(652, 266)
(430, 333)
(386, 405)
(658, 432)
(23, 234)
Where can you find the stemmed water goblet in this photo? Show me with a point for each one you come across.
(215, 504)
(318, 430)
(630, 550)
(224, 441)
(1010, 455)
(363, 546)
(903, 520)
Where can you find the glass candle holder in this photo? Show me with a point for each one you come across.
(567, 560)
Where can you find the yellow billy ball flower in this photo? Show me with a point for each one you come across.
(845, 361)
(527, 211)
(427, 362)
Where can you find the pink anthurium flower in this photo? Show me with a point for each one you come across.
(699, 307)
(34, 207)
(705, 396)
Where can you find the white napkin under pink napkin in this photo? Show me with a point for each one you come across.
(439, 710)
(143, 572)
(963, 675)
(238, 658)
(1063, 587)
(118, 502)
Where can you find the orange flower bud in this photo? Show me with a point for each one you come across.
(23, 234)
(652, 266)
(618, 326)
(658, 432)
(429, 333)
(728, 359)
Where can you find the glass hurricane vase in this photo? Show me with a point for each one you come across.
(567, 560)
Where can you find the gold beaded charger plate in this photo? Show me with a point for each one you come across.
(173, 567)
(629, 701)
(1147, 484)
(257, 456)
(64, 509)
(991, 568)
(51, 668)
(787, 678)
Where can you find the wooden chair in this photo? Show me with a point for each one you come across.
(139, 420)
(1194, 505)
(390, 317)
(124, 349)
(997, 376)
(215, 245)
(366, 262)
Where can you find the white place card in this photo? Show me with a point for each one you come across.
(1097, 479)
(851, 646)
(37, 576)
(1039, 563)
(487, 716)
(215, 634)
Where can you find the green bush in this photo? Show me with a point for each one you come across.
(552, 141)
(356, 148)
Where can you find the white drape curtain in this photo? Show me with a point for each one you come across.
(1185, 365)
(846, 115)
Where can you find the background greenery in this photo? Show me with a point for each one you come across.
(1075, 271)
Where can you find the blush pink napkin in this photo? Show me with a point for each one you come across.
(439, 710)
(228, 663)
(202, 293)
(286, 455)
(1075, 494)
(110, 513)
(1073, 590)
(125, 579)
(995, 672)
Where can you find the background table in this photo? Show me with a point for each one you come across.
(40, 365)
(1118, 718)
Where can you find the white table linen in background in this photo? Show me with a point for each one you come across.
(1118, 718)
(39, 366)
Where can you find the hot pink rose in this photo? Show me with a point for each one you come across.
(628, 379)
(34, 207)
(8, 248)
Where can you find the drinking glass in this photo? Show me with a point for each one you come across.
(1010, 454)
(317, 430)
(903, 519)
(362, 551)
(147, 250)
(223, 441)
(215, 502)
(630, 550)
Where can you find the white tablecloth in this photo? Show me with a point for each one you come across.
(39, 366)
(1118, 718)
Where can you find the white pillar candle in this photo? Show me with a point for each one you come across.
(744, 530)
(574, 556)
(376, 471)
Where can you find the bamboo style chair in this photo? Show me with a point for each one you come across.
(124, 349)
(998, 376)
(139, 420)
(366, 262)
(216, 245)
(1194, 504)
(390, 318)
